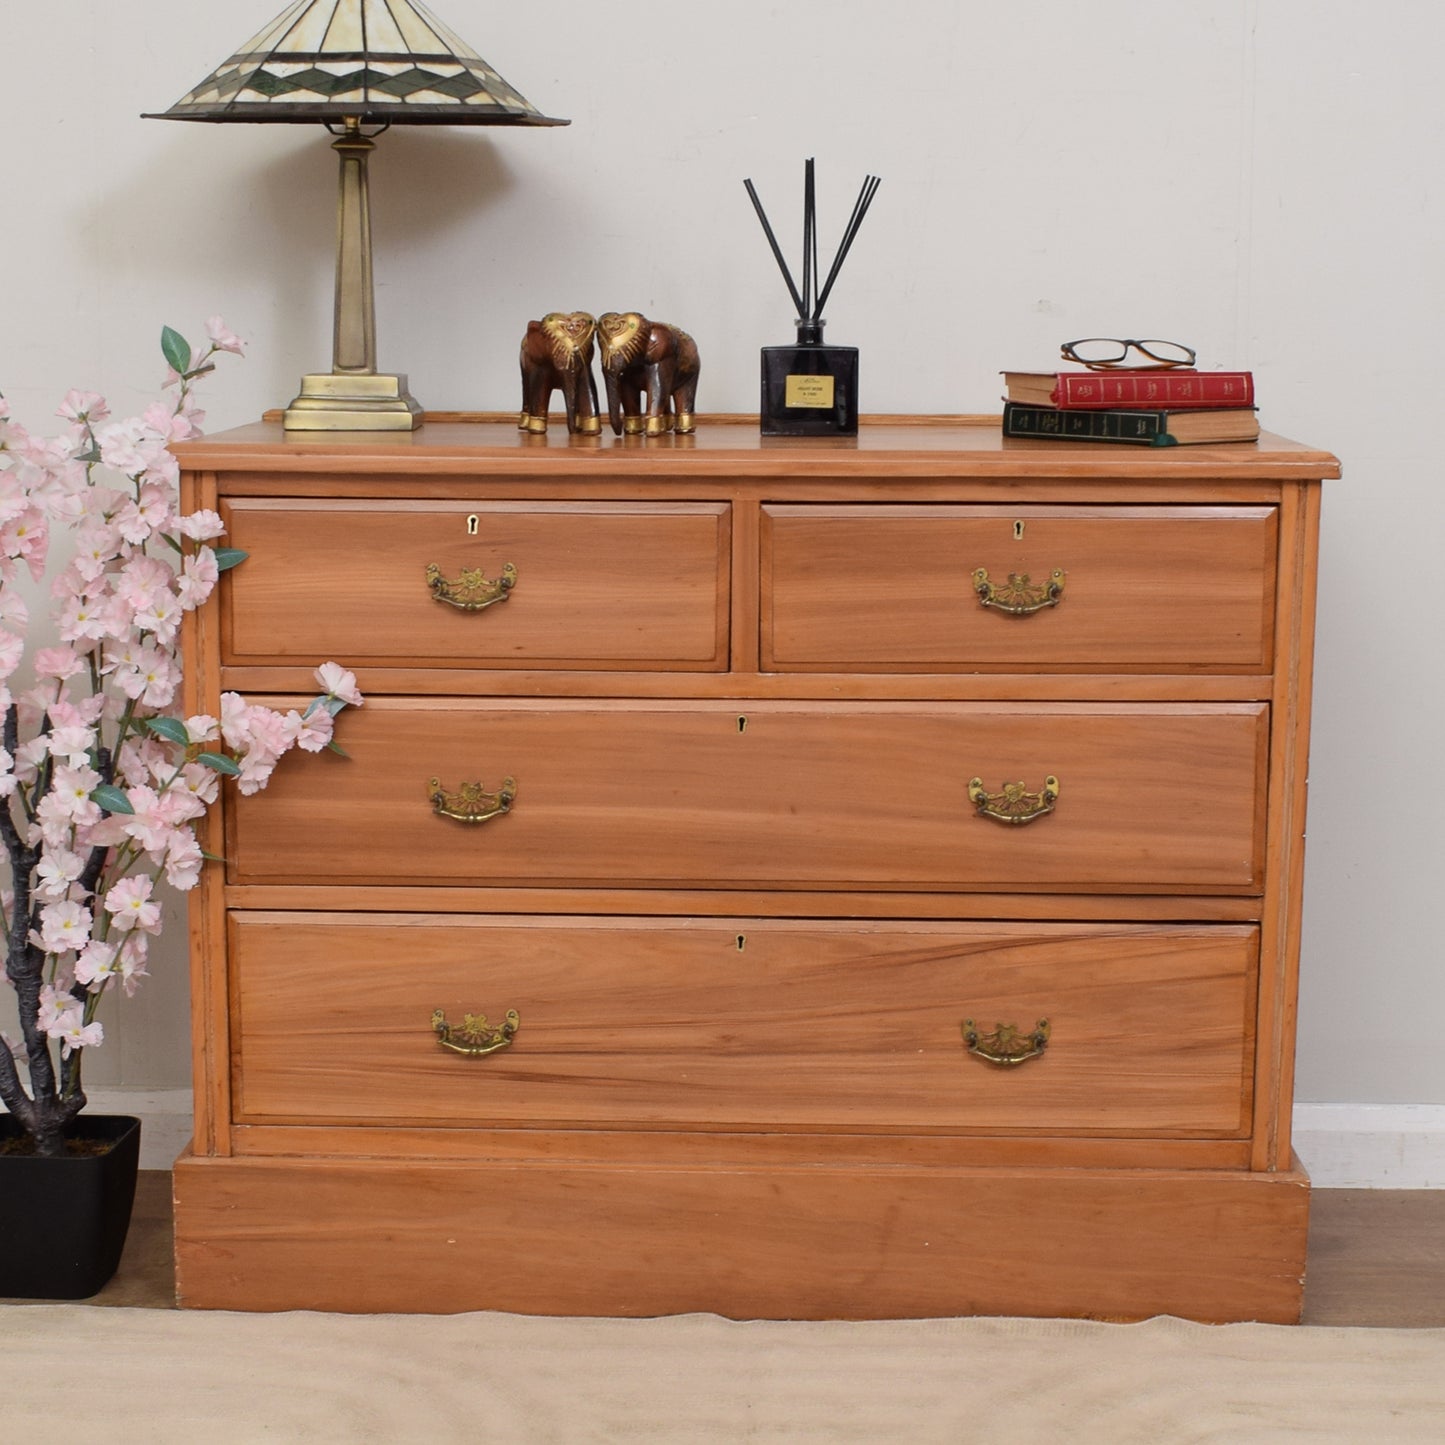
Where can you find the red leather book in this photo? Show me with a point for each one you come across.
(1175, 388)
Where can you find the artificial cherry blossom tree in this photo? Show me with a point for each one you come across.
(102, 776)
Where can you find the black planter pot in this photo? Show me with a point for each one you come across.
(63, 1221)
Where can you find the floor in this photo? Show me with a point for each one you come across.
(1376, 1256)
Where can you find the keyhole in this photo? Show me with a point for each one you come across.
(472, 524)
(1018, 531)
(742, 941)
(742, 724)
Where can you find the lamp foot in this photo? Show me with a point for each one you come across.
(341, 401)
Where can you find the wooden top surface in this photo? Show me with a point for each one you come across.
(892, 446)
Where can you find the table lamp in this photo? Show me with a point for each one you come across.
(353, 64)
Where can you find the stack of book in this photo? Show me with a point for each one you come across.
(1145, 406)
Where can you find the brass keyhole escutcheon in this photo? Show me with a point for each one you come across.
(742, 724)
(473, 522)
(1018, 531)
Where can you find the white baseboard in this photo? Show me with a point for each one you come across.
(1343, 1146)
(1372, 1146)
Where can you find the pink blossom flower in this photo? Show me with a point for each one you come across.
(129, 903)
(133, 951)
(58, 662)
(184, 860)
(56, 871)
(223, 338)
(72, 742)
(339, 683)
(70, 790)
(313, 731)
(64, 928)
(76, 1034)
(12, 649)
(57, 1009)
(202, 526)
(199, 573)
(83, 406)
(201, 728)
(8, 781)
(95, 965)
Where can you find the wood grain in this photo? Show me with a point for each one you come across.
(743, 1024)
(800, 1242)
(890, 587)
(598, 584)
(773, 795)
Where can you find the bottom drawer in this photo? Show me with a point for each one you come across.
(743, 1024)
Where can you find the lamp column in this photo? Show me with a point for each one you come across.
(353, 396)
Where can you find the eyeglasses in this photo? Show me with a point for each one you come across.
(1099, 353)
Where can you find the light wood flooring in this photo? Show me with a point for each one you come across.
(1376, 1256)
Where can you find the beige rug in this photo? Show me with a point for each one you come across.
(73, 1373)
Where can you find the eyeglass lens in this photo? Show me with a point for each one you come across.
(1111, 350)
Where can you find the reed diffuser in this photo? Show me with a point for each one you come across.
(811, 388)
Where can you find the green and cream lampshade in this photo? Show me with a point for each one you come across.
(351, 64)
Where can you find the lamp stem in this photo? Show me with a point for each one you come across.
(354, 348)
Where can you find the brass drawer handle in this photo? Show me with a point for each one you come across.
(471, 803)
(476, 1036)
(1006, 1044)
(1015, 804)
(473, 590)
(1018, 597)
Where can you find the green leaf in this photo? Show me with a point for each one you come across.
(220, 763)
(177, 351)
(336, 748)
(171, 542)
(212, 857)
(228, 557)
(333, 705)
(172, 729)
(111, 799)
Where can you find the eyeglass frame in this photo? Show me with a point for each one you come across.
(1066, 351)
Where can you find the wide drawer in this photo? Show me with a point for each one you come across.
(1149, 797)
(742, 1024)
(609, 585)
(897, 588)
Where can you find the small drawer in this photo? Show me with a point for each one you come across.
(1164, 797)
(1069, 589)
(568, 585)
(741, 1024)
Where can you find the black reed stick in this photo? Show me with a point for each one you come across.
(777, 250)
(811, 301)
(860, 209)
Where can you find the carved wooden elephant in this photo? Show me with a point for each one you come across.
(641, 356)
(557, 356)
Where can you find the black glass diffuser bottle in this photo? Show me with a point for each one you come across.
(811, 388)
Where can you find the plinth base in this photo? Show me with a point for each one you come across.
(337, 401)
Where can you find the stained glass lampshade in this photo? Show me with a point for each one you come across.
(351, 64)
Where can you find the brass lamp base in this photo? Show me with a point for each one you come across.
(341, 401)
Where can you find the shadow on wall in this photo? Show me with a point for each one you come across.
(256, 207)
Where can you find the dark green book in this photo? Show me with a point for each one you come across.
(1133, 428)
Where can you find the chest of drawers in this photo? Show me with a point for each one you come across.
(788, 878)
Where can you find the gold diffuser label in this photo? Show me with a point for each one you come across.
(810, 391)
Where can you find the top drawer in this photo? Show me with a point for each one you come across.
(593, 584)
(896, 588)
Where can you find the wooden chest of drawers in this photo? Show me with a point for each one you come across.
(885, 857)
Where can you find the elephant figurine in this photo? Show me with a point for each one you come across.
(641, 356)
(557, 356)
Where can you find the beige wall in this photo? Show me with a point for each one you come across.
(1260, 178)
